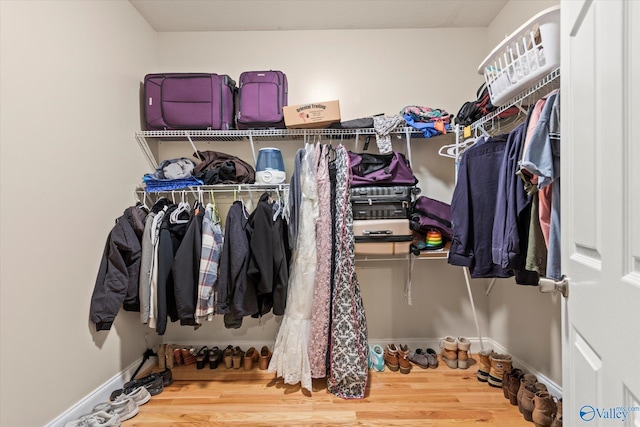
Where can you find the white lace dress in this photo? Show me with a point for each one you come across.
(290, 358)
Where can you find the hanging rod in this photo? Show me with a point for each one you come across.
(544, 81)
(221, 188)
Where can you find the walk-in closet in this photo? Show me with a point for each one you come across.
(399, 336)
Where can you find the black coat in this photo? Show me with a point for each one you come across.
(117, 281)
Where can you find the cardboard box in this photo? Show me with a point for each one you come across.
(316, 115)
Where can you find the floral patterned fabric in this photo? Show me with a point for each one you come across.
(349, 349)
(319, 340)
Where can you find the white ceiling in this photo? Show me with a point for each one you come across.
(273, 15)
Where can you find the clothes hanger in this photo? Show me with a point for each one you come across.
(183, 207)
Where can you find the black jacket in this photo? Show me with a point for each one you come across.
(186, 269)
(117, 282)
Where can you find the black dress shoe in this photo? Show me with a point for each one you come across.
(152, 382)
(167, 377)
(215, 356)
(201, 357)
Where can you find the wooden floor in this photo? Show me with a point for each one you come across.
(425, 397)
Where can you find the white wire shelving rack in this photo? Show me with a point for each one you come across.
(338, 136)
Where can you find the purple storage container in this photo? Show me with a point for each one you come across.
(261, 96)
(189, 101)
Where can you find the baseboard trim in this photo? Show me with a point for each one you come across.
(101, 394)
(487, 344)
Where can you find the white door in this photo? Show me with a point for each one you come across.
(600, 172)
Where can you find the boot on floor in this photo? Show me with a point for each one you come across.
(500, 363)
(506, 380)
(544, 411)
(484, 365)
(526, 379)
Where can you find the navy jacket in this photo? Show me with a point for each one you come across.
(473, 208)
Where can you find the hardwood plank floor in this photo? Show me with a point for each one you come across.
(426, 397)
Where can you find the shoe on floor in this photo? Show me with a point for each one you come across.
(391, 357)
(152, 382)
(419, 357)
(140, 395)
(265, 357)
(376, 358)
(464, 345)
(432, 357)
(484, 365)
(403, 359)
(449, 354)
(96, 419)
(125, 408)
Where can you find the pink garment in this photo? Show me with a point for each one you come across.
(544, 196)
(319, 337)
(544, 211)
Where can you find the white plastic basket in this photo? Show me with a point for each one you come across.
(529, 53)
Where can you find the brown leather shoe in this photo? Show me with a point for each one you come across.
(391, 357)
(403, 359)
(514, 385)
(506, 380)
(250, 357)
(265, 357)
(544, 409)
(177, 357)
(189, 356)
(526, 379)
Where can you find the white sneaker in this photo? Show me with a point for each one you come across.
(125, 408)
(139, 395)
(96, 419)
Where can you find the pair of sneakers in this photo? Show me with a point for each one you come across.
(376, 358)
(427, 358)
(112, 413)
(455, 352)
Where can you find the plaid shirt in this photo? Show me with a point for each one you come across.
(212, 240)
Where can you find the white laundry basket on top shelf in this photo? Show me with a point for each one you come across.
(529, 53)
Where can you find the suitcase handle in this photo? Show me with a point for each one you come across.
(377, 232)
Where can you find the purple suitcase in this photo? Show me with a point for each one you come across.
(261, 96)
(189, 101)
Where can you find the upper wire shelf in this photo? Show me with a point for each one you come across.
(234, 135)
(543, 83)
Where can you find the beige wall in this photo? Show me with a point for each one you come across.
(70, 78)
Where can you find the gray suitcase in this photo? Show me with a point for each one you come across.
(371, 202)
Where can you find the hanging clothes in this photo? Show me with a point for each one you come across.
(153, 285)
(146, 259)
(542, 158)
(236, 299)
(513, 213)
(290, 358)
(117, 284)
(172, 231)
(319, 341)
(295, 197)
(267, 271)
(186, 268)
(473, 207)
(212, 242)
(349, 348)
